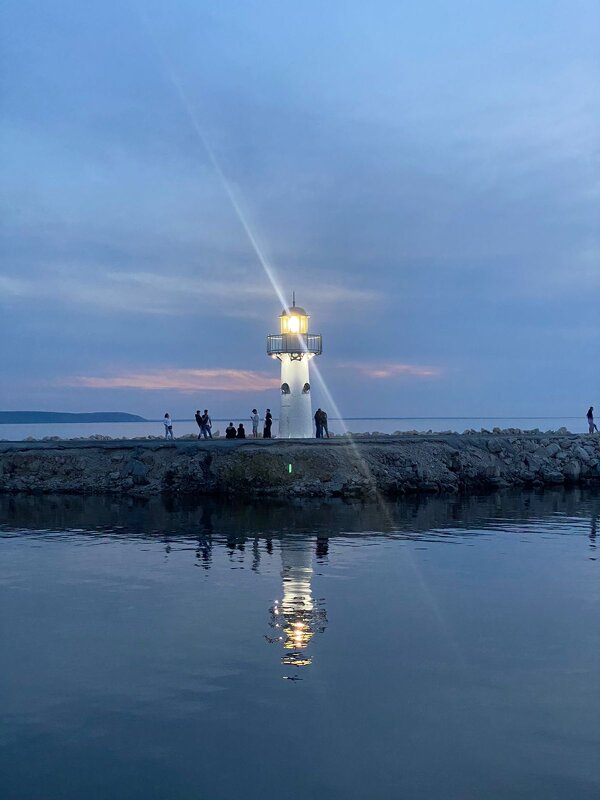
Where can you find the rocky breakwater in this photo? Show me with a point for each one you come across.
(337, 467)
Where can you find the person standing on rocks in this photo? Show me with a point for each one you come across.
(268, 423)
(198, 417)
(324, 428)
(168, 423)
(590, 418)
(319, 423)
(205, 425)
(254, 419)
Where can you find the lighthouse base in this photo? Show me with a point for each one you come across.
(295, 416)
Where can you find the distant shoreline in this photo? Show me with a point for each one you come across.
(106, 417)
(65, 417)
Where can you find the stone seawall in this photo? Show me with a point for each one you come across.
(337, 467)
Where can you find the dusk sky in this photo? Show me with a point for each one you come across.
(424, 175)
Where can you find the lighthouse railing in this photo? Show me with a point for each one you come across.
(294, 343)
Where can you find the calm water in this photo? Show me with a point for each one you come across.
(429, 649)
(130, 430)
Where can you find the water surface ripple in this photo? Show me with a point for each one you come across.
(428, 648)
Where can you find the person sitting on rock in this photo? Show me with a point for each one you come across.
(241, 433)
(230, 431)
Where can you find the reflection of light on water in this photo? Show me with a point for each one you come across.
(297, 616)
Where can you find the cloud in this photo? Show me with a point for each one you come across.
(183, 380)
(141, 292)
(13, 287)
(385, 371)
(170, 293)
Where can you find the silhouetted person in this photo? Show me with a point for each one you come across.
(590, 418)
(198, 417)
(255, 554)
(203, 553)
(254, 419)
(168, 426)
(322, 548)
(319, 423)
(205, 425)
(324, 428)
(241, 433)
(229, 431)
(268, 423)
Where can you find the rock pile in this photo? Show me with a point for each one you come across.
(337, 467)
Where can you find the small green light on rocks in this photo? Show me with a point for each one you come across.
(290, 468)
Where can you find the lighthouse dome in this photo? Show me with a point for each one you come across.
(294, 311)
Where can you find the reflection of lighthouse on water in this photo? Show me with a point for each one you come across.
(297, 616)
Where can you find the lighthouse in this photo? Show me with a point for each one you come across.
(294, 346)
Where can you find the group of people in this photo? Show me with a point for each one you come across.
(204, 423)
(321, 424)
(240, 433)
(231, 432)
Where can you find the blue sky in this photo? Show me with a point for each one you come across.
(424, 175)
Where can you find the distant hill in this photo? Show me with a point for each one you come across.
(37, 417)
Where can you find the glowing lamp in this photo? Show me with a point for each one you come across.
(295, 320)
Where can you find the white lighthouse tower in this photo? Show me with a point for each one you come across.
(294, 346)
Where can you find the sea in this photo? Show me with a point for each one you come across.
(132, 430)
(325, 649)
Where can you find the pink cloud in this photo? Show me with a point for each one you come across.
(383, 371)
(184, 380)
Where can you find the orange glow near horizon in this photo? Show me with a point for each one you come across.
(184, 380)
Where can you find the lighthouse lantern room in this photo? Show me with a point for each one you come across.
(294, 346)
